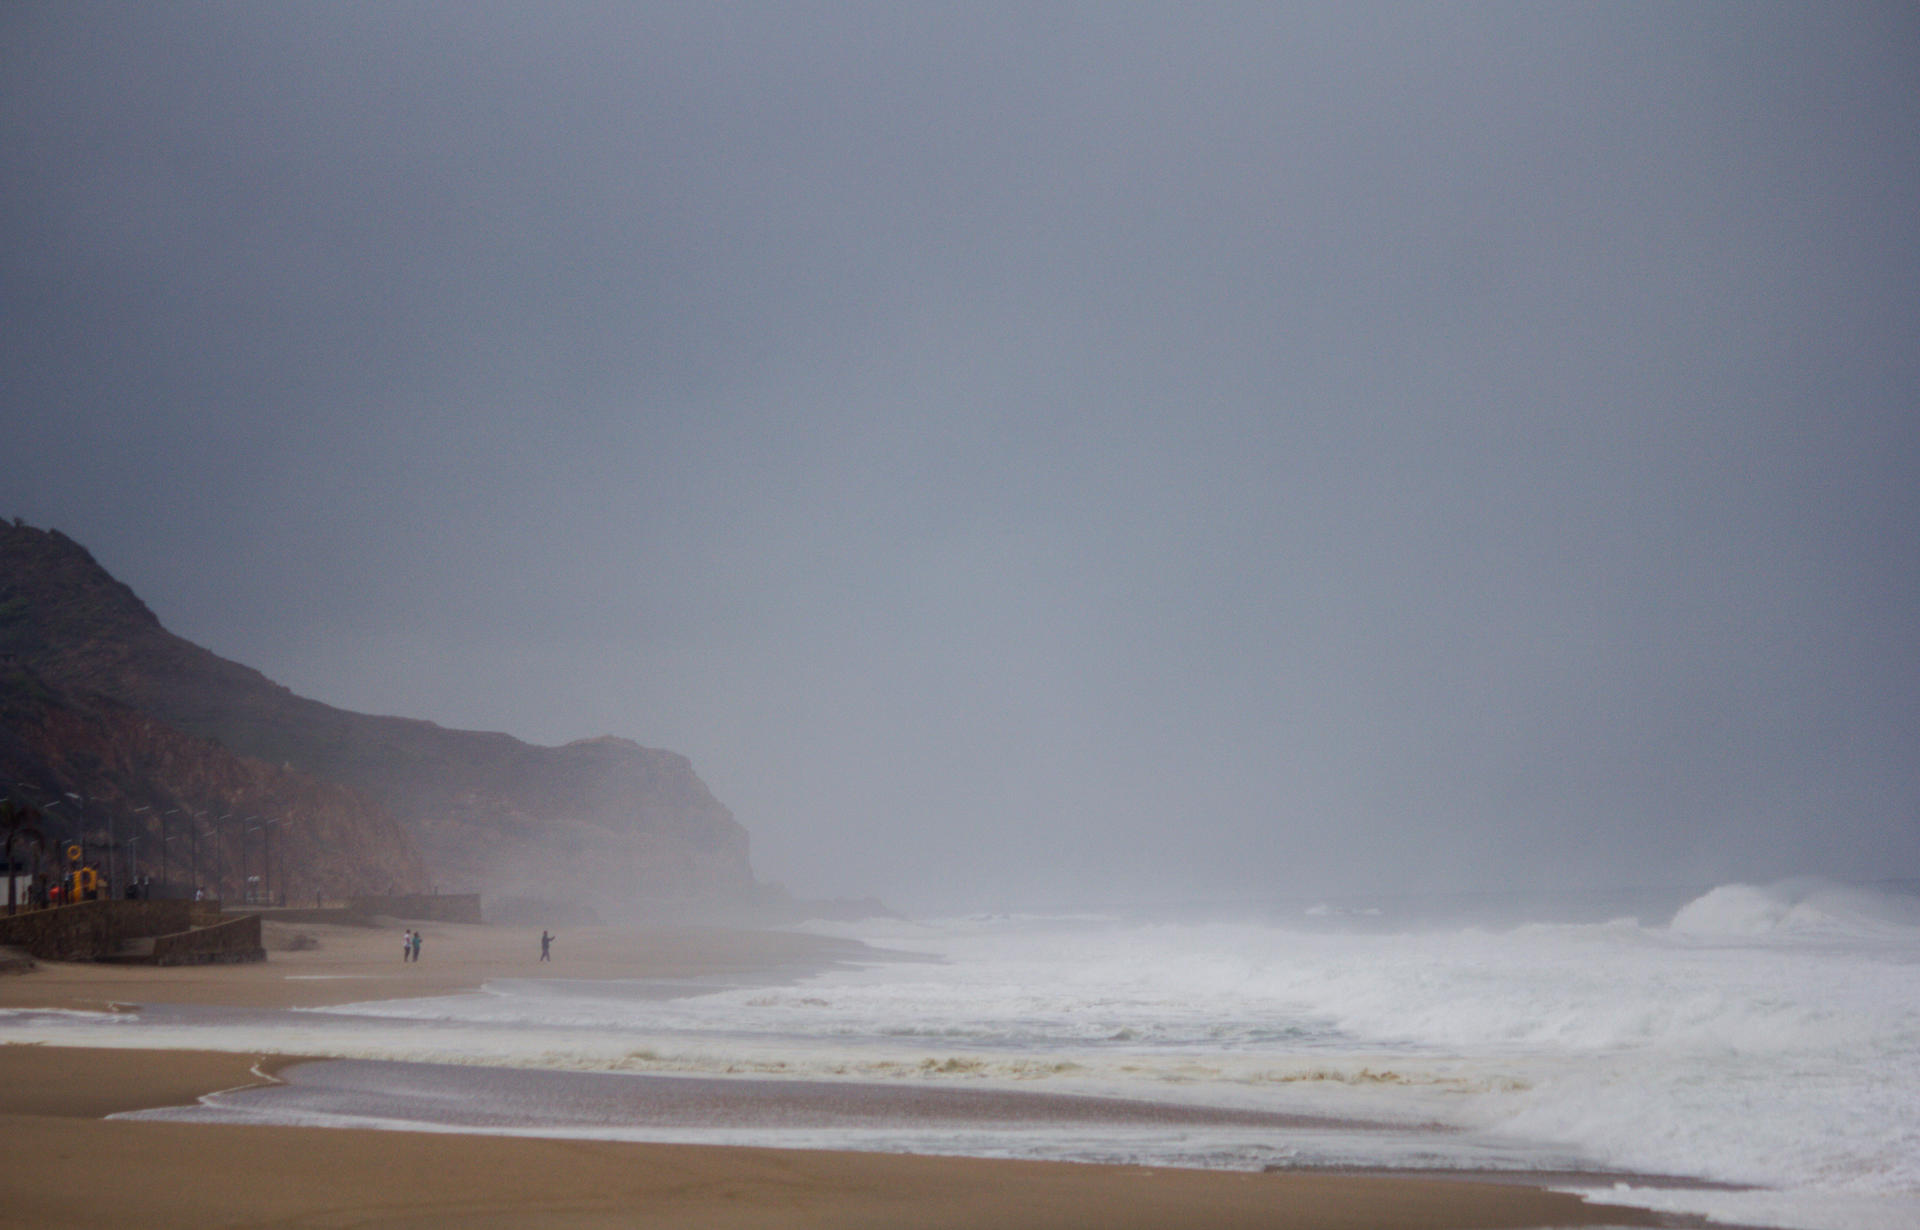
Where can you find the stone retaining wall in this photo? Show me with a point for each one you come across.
(329, 915)
(238, 940)
(434, 907)
(89, 930)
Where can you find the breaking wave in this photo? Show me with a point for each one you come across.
(1804, 908)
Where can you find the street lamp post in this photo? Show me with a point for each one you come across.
(166, 880)
(52, 818)
(266, 859)
(61, 870)
(193, 837)
(133, 846)
(166, 855)
(247, 892)
(113, 839)
(80, 831)
(220, 850)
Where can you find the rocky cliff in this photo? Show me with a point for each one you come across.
(145, 799)
(605, 820)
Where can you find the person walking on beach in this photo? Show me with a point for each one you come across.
(546, 946)
(416, 945)
(406, 944)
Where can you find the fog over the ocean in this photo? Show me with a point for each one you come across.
(1025, 454)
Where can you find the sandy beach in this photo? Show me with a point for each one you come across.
(313, 964)
(66, 1164)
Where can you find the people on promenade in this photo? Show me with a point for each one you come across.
(546, 946)
(406, 944)
(416, 945)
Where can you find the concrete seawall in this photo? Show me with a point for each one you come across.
(96, 930)
(433, 907)
(235, 940)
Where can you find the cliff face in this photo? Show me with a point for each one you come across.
(149, 800)
(603, 819)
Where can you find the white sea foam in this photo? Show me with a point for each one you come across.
(1768, 1036)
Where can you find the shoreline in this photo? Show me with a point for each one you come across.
(54, 1099)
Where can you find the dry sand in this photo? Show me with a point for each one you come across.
(348, 964)
(65, 1165)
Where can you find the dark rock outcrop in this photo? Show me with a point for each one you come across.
(603, 820)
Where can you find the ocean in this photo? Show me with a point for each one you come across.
(1758, 1044)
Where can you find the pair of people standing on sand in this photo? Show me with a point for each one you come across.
(410, 945)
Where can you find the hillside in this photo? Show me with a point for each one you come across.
(624, 827)
(186, 811)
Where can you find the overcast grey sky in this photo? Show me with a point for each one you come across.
(1025, 452)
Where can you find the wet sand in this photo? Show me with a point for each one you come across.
(530, 1101)
(66, 1165)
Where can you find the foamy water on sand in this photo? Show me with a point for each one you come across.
(1758, 1036)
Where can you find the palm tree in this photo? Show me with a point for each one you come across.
(19, 822)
